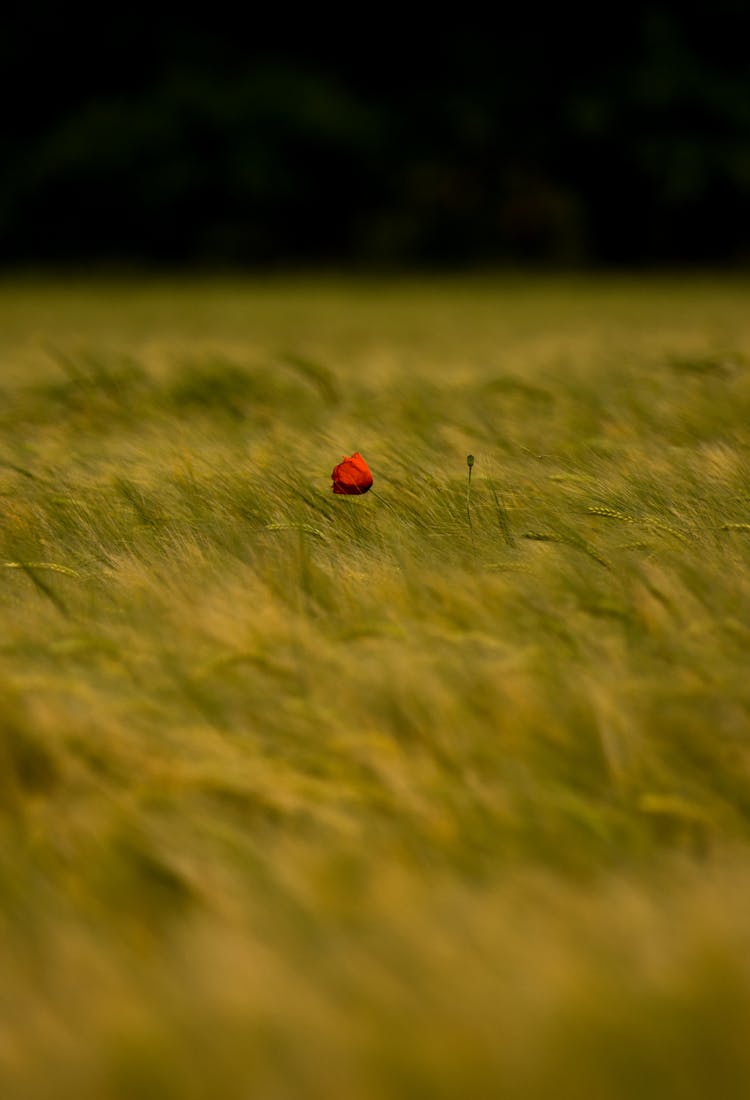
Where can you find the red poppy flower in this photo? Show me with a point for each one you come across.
(352, 476)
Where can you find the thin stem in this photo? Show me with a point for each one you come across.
(469, 463)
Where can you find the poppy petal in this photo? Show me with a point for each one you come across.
(352, 476)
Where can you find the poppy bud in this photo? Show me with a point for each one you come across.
(352, 476)
(470, 461)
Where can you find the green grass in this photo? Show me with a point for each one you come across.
(314, 796)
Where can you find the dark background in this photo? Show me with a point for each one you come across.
(213, 141)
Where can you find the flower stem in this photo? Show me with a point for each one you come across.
(469, 463)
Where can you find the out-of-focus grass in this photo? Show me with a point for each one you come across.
(303, 795)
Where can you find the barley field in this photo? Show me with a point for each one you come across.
(439, 791)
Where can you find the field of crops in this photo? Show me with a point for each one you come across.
(438, 791)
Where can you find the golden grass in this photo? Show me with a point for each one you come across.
(416, 794)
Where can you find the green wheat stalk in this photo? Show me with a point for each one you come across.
(52, 565)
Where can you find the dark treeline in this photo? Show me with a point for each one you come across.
(619, 140)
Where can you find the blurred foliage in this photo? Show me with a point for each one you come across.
(203, 141)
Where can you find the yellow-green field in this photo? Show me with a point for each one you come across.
(416, 794)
